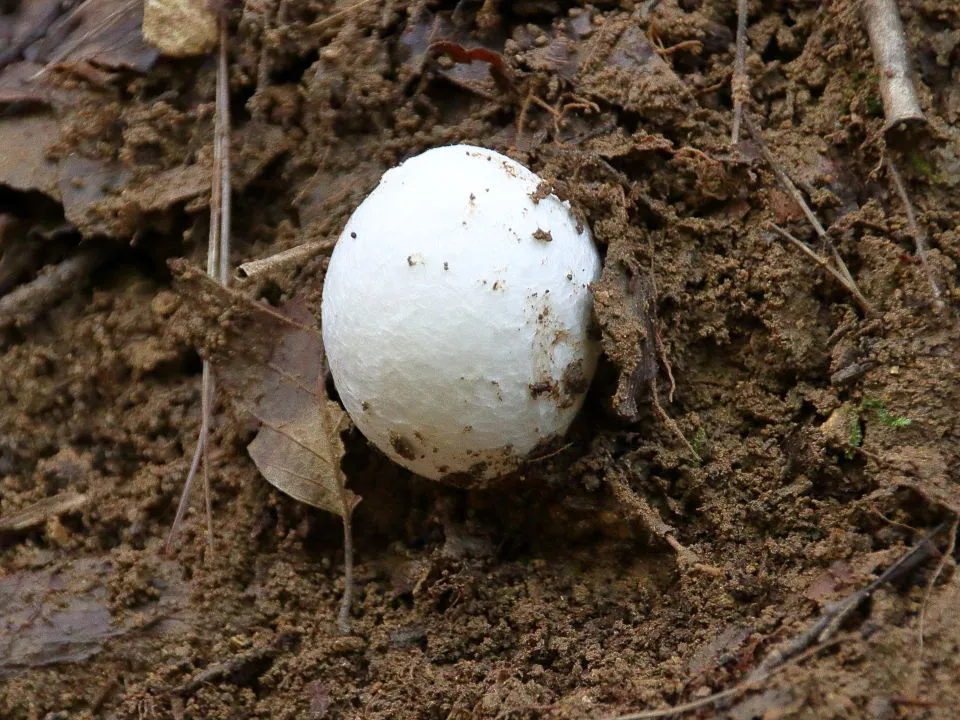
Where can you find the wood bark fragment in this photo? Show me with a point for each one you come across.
(889, 44)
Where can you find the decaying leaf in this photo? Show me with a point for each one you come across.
(102, 32)
(298, 456)
(629, 338)
(271, 363)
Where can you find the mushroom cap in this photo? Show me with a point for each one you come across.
(457, 315)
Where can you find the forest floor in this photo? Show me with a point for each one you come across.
(634, 570)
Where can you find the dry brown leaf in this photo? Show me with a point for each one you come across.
(271, 363)
(301, 457)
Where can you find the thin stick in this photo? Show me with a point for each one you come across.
(55, 282)
(889, 44)
(218, 267)
(650, 518)
(951, 546)
(330, 19)
(268, 264)
(222, 130)
(198, 455)
(919, 234)
(815, 256)
(815, 638)
(791, 188)
(739, 84)
(346, 602)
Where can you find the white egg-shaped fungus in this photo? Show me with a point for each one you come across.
(457, 314)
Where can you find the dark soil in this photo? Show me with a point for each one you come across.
(635, 568)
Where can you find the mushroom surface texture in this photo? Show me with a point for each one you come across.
(457, 315)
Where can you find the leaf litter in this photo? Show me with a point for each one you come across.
(271, 363)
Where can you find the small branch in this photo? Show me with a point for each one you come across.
(637, 506)
(739, 83)
(39, 512)
(816, 637)
(947, 554)
(268, 264)
(900, 104)
(331, 19)
(815, 256)
(25, 303)
(919, 235)
(206, 393)
(791, 188)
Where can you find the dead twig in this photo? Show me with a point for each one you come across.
(788, 184)
(294, 254)
(39, 512)
(739, 83)
(650, 518)
(331, 19)
(218, 267)
(919, 234)
(814, 639)
(830, 622)
(25, 303)
(717, 697)
(948, 553)
(889, 44)
(815, 256)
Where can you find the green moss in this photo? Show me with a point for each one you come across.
(884, 415)
(700, 442)
(855, 431)
(920, 165)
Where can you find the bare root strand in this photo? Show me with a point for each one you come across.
(670, 422)
(889, 44)
(739, 83)
(919, 234)
(841, 272)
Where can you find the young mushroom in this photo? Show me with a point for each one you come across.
(457, 315)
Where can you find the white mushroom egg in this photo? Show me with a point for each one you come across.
(457, 315)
